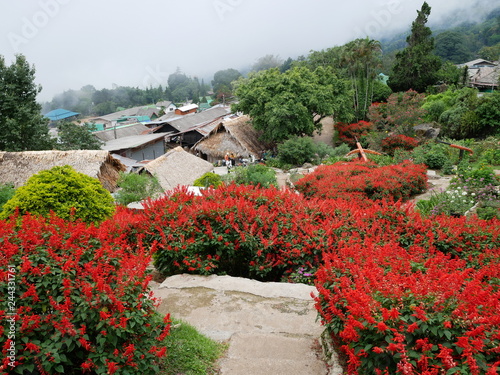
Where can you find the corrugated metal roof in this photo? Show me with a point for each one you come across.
(132, 141)
(60, 114)
(187, 122)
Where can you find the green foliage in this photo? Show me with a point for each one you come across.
(292, 103)
(489, 209)
(488, 112)
(381, 92)
(416, 66)
(257, 174)
(435, 159)
(136, 187)
(462, 114)
(400, 114)
(452, 46)
(6, 192)
(189, 352)
(297, 151)
(208, 179)
(22, 127)
(223, 81)
(267, 62)
(76, 137)
(68, 194)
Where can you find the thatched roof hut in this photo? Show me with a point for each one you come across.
(178, 168)
(17, 167)
(237, 136)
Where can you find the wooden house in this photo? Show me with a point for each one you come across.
(234, 136)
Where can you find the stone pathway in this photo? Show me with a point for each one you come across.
(271, 328)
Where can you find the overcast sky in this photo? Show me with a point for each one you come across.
(139, 43)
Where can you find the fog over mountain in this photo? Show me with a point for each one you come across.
(73, 43)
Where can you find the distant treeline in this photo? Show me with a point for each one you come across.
(456, 45)
(90, 101)
(461, 43)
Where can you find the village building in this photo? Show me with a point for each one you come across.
(138, 147)
(482, 74)
(187, 109)
(177, 168)
(235, 136)
(191, 128)
(17, 167)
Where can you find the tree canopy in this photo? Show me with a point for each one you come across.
(294, 102)
(223, 81)
(22, 126)
(76, 137)
(416, 66)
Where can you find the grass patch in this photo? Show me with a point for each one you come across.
(189, 352)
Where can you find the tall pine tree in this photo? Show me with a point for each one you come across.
(22, 126)
(416, 66)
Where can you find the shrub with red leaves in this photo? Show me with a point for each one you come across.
(358, 180)
(74, 299)
(348, 133)
(398, 141)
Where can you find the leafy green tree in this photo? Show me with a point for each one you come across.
(223, 81)
(416, 66)
(451, 46)
(137, 187)
(22, 127)
(490, 53)
(361, 58)
(267, 62)
(77, 137)
(450, 74)
(292, 103)
(65, 192)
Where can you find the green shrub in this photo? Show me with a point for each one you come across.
(137, 187)
(257, 174)
(6, 192)
(208, 179)
(65, 192)
(435, 159)
(488, 210)
(297, 151)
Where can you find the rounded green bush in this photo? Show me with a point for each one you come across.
(208, 179)
(65, 192)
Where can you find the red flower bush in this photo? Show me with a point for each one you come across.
(398, 141)
(74, 299)
(395, 310)
(364, 180)
(348, 133)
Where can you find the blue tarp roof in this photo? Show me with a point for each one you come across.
(60, 114)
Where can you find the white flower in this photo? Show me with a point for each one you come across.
(473, 194)
(464, 193)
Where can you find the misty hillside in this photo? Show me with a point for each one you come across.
(458, 41)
